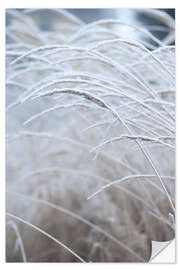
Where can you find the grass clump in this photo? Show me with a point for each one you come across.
(90, 138)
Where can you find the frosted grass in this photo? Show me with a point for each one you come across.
(90, 115)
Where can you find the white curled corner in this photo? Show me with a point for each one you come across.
(163, 252)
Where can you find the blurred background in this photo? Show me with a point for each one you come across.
(91, 14)
(131, 16)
